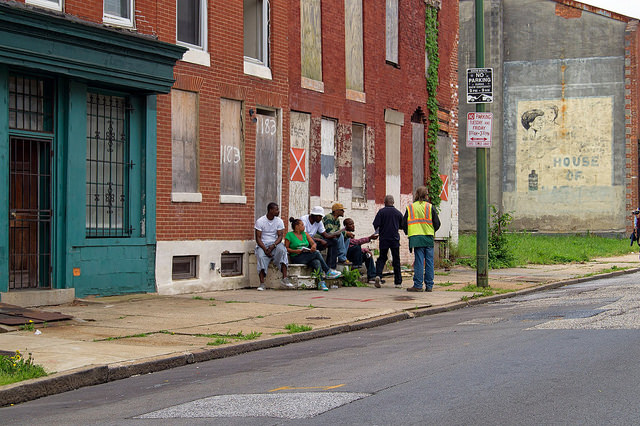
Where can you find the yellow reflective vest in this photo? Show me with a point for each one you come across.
(420, 219)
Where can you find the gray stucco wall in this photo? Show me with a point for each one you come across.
(564, 171)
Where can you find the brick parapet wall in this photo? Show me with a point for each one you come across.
(632, 124)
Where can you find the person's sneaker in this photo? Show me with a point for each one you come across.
(286, 283)
(371, 281)
(398, 285)
(334, 286)
(261, 287)
(322, 286)
(332, 274)
(414, 289)
(377, 282)
(428, 289)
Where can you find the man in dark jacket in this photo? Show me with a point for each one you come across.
(387, 223)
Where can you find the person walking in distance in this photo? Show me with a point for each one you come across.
(420, 223)
(386, 224)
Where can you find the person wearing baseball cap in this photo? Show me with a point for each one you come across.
(314, 226)
(336, 252)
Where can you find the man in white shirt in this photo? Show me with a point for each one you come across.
(269, 247)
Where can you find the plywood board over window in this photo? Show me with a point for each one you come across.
(328, 190)
(299, 190)
(184, 141)
(231, 151)
(353, 47)
(311, 44)
(358, 162)
(268, 161)
(392, 31)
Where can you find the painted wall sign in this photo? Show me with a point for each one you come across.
(444, 193)
(564, 143)
(479, 126)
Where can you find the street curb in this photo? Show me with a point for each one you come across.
(70, 380)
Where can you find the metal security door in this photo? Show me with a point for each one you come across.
(30, 213)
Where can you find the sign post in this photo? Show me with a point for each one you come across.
(482, 207)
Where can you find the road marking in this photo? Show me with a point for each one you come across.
(306, 387)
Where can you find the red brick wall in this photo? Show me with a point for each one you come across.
(225, 78)
(402, 88)
(632, 123)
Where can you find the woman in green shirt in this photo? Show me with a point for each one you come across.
(302, 249)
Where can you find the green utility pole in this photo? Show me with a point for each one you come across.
(482, 209)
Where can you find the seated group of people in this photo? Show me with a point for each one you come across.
(310, 234)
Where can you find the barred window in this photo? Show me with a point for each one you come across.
(107, 166)
(30, 104)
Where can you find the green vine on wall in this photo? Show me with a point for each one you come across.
(434, 185)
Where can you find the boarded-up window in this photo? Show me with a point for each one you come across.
(310, 39)
(268, 168)
(328, 190)
(231, 148)
(357, 162)
(392, 31)
(417, 131)
(353, 45)
(184, 141)
(394, 121)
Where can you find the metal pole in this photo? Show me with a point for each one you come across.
(482, 209)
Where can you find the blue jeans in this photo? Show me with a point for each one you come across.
(355, 255)
(312, 259)
(343, 247)
(423, 267)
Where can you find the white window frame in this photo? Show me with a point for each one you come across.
(203, 29)
(259, 67)
(119, 20)
(54, 5)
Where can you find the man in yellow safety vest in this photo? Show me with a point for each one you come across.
(420, 223)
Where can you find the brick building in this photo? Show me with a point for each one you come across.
(565, 137)
(77, 149)
(358, 109)
(253, 112)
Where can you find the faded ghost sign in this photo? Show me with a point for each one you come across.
(564, 143)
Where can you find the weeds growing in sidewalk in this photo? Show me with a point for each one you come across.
(28, 326)
(350, 277)
(297, 328)
(481, 291)
(222, 339)
(17, 368)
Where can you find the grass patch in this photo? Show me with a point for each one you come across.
(536, 249)
(238, 336)
(219, 341)
(234, 301)
(481, 291)
(197, 298)
(109, 339)
(17, 368)
(614, 268)
(447, 284)
(297, 328)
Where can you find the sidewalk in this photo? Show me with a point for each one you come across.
(116, 337)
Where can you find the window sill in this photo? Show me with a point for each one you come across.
(315, 85)
(354, 95)
(198, 57)
(46, 4)
(117, 21)
(233, 199)
(186, 197)
(257, 70)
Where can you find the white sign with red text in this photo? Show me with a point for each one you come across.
(479, 129)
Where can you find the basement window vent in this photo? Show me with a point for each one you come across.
(231, 264)
(184, 267)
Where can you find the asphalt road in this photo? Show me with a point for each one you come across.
(567, 356)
